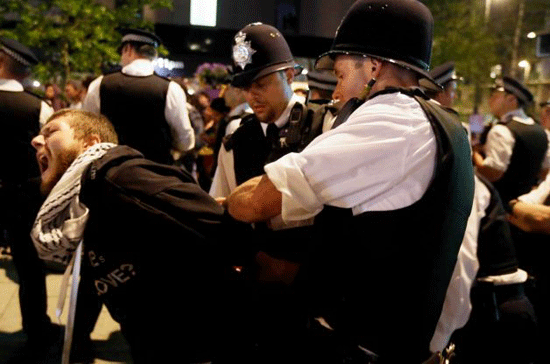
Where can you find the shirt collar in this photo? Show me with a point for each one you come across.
(519, 115)
(10, 85)
(139, 67)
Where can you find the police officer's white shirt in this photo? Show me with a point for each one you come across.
(224, 180)
(500, 143)
(15, 86)
(175, 111)
(381, 158)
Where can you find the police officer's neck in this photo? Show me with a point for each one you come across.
(393, 76)
(383, 84)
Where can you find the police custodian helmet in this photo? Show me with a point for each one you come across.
(398, 31)
(258, 50)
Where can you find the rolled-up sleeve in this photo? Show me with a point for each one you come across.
(287, 176)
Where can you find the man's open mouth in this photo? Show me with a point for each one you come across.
(42, 162)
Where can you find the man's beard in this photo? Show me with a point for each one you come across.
(64, 161)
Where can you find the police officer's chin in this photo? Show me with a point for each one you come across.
(264, 114)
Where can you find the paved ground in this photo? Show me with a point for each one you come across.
(109, 345)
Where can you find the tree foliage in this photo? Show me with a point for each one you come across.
(72, 36)
(477, 40)
(462, 35)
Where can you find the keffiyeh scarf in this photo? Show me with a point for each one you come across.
(60, 222)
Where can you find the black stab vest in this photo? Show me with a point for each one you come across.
(380, 278)
(136, 106)
(495, 251)
(20, 115)
(528, 154)
(252, 151)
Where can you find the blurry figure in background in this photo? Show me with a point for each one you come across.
(214, 114)
(189, 158)
(202, 101)
(235, 99)
(321, 85)
(52, 94)
(445, 76)
(239, 108)
(75, 94)
(148, 111)
(515, 150)
(477, 123)
(502, 315)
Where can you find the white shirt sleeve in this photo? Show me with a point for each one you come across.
(457, 306)
(539, 194)
(498, 148)
(45, 112)
(224, 180)
(92, 101)
(176, 115)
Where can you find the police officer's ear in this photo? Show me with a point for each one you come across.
(376, 67)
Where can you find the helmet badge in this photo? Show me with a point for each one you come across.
(242, 51)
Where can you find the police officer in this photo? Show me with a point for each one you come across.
(22, 114)
(445, 76)
(321, 89)
(380, 267)
(321, 85)
(264, 68)
(516, 146)
(148, 112)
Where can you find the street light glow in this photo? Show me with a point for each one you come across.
(524, 63)
(532, 35)
(203, 12)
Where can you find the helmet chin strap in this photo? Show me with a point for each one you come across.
(367, 89)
